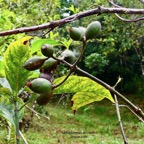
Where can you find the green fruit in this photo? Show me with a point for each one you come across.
(77, 34)
(46, 75)
(34, 63)
(93, 29)
(43, 99)
(47, 50)
(49, 65)
(40, 85)
(68, 56)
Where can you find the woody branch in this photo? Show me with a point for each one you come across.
(53, 24)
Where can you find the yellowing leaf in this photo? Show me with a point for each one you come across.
(83, 98)
(87, 90)
(15, 56)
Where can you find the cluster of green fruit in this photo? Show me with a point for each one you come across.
(43, 85)
(82, 33)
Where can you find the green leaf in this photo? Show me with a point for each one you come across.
(7, 115)
(7, 110)
(15, 56)
(2, 72)
(4, 91)
(35, 74)
(4, 83)
(66, 42)
(83, 98)
(36, 45)
(87, 90)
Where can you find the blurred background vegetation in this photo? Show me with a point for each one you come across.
(117, 51)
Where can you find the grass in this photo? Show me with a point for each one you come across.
(93, 124)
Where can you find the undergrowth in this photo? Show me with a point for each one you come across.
(93, 124)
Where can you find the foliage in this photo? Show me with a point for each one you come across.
(14, 14)
(37, 44)
(120, 43)
(95, 61)
(117, 51)
(5, 112)
(15, 78)
(87, 91)
(16, 54)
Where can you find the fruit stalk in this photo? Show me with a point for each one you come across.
(81, 53)
(72, 68)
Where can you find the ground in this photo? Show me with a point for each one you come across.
(93, 124)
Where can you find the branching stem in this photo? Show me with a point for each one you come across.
(136, 109)
(72, 68)
(119, 119)
(123, 19)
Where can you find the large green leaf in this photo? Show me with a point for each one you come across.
(87, 90)
(15, 56)
(36, 45)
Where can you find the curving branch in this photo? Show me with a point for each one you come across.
(128, 20)
(111, 2)
(123, 19)
(136, 109)
(112, 90)
(54, 24)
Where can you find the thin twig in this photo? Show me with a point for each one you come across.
(111, 2)
(81, 52)
(112, 90)
(38, 113)
(22, 136)
(30, 100)
(56, 105)
(72, 68)
(128, 20)
(123, 19)
(48, 31)
(118, 81)
(120, 121)
(70, 72)
(132, 112)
